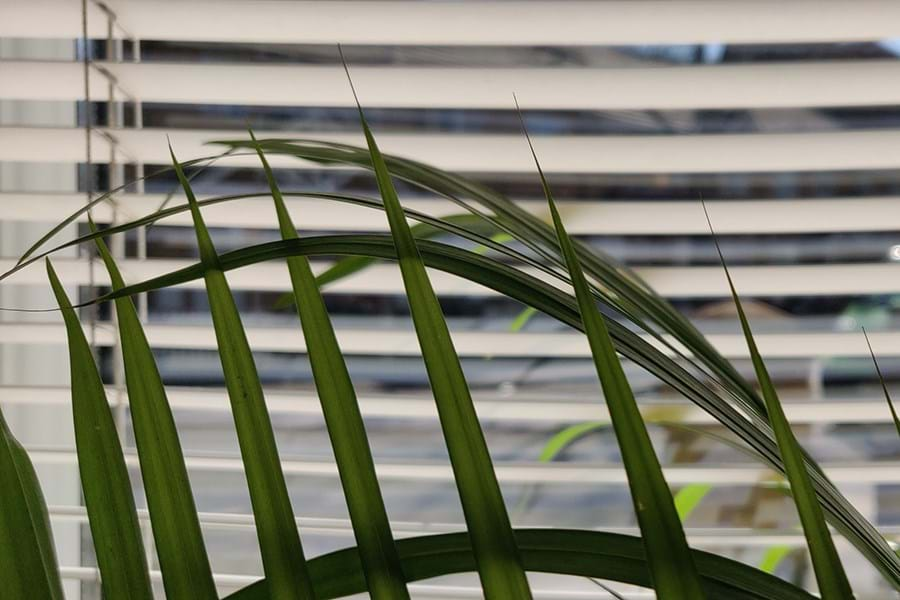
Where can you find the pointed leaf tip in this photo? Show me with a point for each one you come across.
(829, 572)
(176, 528)
(670, 562)
(499, 563)
(884, 389)
(101, 464)
(346, 430)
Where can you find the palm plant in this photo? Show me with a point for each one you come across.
(643, 328)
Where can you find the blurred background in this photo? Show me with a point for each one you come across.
(783, 116)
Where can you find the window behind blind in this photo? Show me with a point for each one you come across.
(784, 117)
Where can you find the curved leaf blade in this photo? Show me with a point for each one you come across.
(276, 529)
(104, 477)
(346, 267)
(31, 250)
(464, 225)
(635, 300)
(173, 514)
(457, 188)
(603, 555)
(554, 302)
(380, 561)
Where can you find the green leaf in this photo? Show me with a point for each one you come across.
(689, 497)
(173, 515)
(773, 557)
(551, 450)
(832, 580)
(621, 287)
(28, 567)
(466, 226)
(624, 291)
(531, 291)
(564, 438)
(671, 564)
(104, 476)
(276, 529)
(887, 395)
(615, 285)
(380, 561)
(522, 319)
(499, 565)
(354, 264)
(609, 556)
(103, 198)
(500, 238)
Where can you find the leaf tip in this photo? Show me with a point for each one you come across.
(349, 78)
(171, 151)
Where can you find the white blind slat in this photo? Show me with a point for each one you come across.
(583, 217)
(392, 342)
(672, 282)
(717, 153)
(548, 410)
(564, 23)
(884, 472)
(750, 86)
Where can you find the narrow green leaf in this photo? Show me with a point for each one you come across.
(104, 476)
(610, 556)
(354, 264)
(624, 289)
(423, 231)
(522, 319)
(500, 238)
(103, 198)
(276, 529)
(833, 583)
(621, 290)
(551, 450)
(773, 557)
(28, 567)
(689, 497)
(671, 564)
(380, 561)
(499, 564)
(532, 291)
(173, 515)
(887, 395)
(565, 437)
(466, 226)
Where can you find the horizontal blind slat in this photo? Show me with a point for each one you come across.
(753, 86)
(547, 409)
(496, 344)
(885, 472)
(718, 153)
(584, 217)
(855, 279)
(452, 23)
